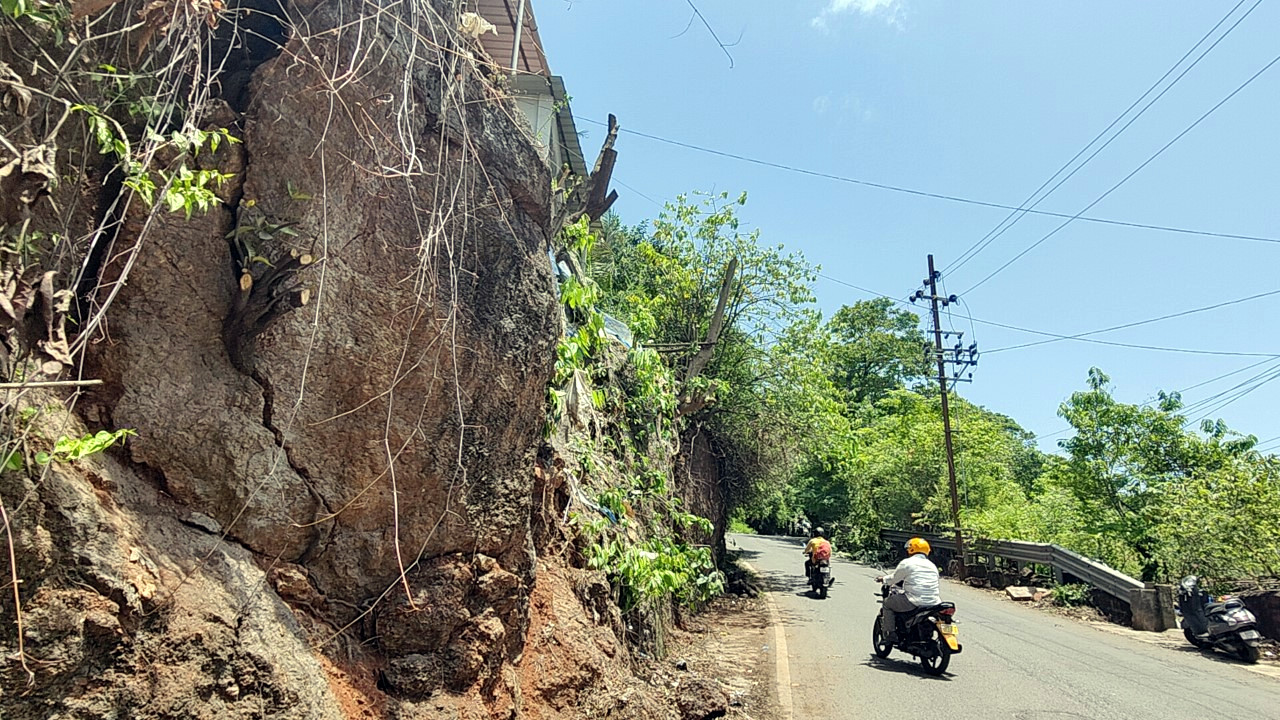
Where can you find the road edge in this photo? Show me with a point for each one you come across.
(782, 666)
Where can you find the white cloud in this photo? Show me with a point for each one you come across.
(843, 108)
(887, 10)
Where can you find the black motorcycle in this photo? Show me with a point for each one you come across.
(1226, 624)
(820, 577)
(928, 633)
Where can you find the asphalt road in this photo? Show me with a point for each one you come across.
(1018, 662)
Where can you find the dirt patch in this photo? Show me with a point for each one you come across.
(354, 686)
(576, 666)
(1081, 613)
(725, 643)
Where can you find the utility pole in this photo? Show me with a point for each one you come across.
(959, 360)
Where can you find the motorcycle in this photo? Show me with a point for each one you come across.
(820, 577)
(1225, 625)
(927, 633)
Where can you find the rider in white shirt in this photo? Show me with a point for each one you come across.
(919, 578)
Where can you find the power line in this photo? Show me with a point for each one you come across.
(1148, 321)
(1006, 326)
(1017, 215)
(1233, 393)
(1275, 374)
(1136, 346)
(1200, 384)
(1126, 178)
(938, 196)
(637, 192)
(1264, 377)
(1225, 375)
(723, 46)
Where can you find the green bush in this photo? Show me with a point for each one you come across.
(1072, 595)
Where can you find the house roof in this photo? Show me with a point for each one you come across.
(502, 13)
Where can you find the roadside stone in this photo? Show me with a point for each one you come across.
(1041, 593)
(701, 699)
(1020, 594)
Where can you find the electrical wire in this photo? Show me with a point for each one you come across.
(1017, 215)
(1214, 403)
(1006, 326)
(938, 196)
(1200, 384)
(1265, 376)
(1138, 322)
(1126, 178)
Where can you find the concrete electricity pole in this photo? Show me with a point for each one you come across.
(939, 353)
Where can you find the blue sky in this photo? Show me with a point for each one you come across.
(985, 101)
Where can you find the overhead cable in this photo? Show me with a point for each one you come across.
(1006, 326)
(1126, 178)
(1016, 215)
(939, 196)
(1148, 321)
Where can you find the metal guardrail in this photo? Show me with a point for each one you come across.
(1111, 581)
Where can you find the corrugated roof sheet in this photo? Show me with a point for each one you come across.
(502, 13)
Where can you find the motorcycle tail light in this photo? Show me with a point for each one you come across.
(948, 612)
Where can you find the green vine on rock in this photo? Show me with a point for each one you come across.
(181, 189)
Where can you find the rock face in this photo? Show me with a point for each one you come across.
(394, 417)
(369, 458)
(333, 506)
(165, 620)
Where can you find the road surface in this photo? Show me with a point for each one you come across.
(1018, 663)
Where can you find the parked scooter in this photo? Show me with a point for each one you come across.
(929, 634)
(820, 577)
(1226, 625)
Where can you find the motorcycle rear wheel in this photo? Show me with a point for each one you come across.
(937, 664)
(822, 591)
(882, 649)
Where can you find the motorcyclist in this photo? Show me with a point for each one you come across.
(817, 544)
(919, 578)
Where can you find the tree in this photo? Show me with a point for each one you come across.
(876, 348)
(1126, 461)
(1224, 523)
(764, 396)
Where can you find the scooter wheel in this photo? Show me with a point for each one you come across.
(1249, 653)
(1191, 638)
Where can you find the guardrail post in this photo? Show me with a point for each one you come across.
(1167, 602)
(1152, 608)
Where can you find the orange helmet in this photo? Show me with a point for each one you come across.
(917, 545)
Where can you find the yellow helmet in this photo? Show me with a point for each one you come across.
(917, 545)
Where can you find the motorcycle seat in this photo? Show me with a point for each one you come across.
(932, 608)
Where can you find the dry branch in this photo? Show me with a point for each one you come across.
(260, 301)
